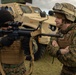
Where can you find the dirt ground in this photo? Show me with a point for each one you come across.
(44, 66)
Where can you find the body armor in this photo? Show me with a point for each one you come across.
(69, 58)
(66, 40)
(12, 54)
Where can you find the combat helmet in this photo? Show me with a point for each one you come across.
(67, 9)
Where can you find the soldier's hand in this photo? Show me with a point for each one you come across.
(65, 51)
(54, 43)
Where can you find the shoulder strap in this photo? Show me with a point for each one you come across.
(1, 70)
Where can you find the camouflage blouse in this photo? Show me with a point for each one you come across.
(68, 59)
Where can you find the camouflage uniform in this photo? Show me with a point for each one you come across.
(12, 59)
(11, 52)
(68, 60)
(14, 69)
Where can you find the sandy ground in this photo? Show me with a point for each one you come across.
(44, 66)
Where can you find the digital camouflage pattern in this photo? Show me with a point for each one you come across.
(69, 59)
(11, 54)
(12, 59)
(52, 50)
(68, 70)
(67, 9)
(14, 69)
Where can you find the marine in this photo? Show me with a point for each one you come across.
(64, 49)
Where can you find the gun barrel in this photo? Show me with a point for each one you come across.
(24, 32)
(53, 35)
(19, 32)
(5, 31)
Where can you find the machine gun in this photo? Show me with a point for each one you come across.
(14, 29)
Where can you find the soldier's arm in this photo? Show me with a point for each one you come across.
(6, 41)
(52, 49)
(70, 57)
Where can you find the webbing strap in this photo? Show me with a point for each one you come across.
(1, 70)
(32, 58)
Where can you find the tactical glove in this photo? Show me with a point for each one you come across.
(6, 41)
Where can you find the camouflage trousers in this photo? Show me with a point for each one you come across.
(68, 70)
(17, 69)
